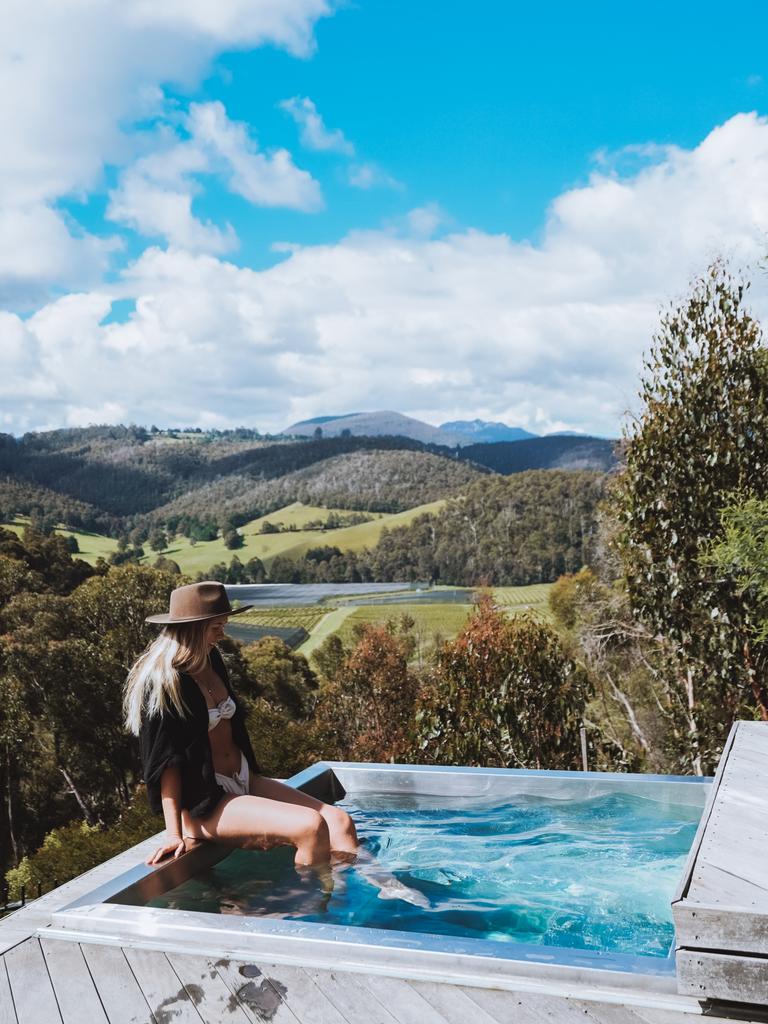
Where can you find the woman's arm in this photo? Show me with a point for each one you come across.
(170, 795)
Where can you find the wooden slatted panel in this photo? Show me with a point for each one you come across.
(33, 994)
(72, 982)
(349, 994)
(259, 997)
(404, 1002)
(212, 997)
(302, 996)
(454, 1004)
(7, 1012)
(161, 986)
(123, 1000)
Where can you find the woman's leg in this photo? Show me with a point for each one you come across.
(255, 822)
(341, 828)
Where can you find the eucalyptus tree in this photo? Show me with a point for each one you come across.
(700, 436)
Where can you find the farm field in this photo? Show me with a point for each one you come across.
(445, 619)
(533, 598)
(92, 545)
(195, 558)
(288, 618)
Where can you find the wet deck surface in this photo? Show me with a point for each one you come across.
(51, 981)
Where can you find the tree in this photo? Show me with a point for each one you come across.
(366, 712)
(701, 436)
(158, 540)
(233, 540)
(504, 693)
(285, 678)
(741, 554)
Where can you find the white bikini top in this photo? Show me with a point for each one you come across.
(225, 709)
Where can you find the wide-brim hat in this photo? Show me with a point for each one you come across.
(197, 602)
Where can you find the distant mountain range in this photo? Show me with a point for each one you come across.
(388, 423)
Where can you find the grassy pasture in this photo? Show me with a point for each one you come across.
(195, 558)
(92, 545)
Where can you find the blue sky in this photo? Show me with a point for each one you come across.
(526, 165)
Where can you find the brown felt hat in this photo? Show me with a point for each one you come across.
(197, 602)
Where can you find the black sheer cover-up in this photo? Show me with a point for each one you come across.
(172, 740)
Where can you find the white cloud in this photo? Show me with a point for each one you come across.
(80, 74)
(468, 323)
(313, 133)
(370, 175)
(155, 194)
(266, 180)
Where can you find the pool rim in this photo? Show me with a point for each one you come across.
(101, 916)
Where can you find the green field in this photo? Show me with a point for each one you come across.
(285, 618)
(195, 558)
(92, 545)
(519, 599)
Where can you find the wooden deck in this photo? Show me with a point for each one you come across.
(49, 981)
(721, 911)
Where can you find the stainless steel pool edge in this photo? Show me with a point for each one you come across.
(101, 914)
(626, 989)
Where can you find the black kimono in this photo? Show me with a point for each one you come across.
(172, 740)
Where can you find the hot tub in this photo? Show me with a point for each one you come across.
(502, 873)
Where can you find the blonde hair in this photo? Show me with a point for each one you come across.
(153, 685)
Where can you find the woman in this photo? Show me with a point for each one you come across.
(199, 766)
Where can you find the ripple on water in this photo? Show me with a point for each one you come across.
(597, 873)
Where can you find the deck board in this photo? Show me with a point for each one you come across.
(300, 993)
(408, 1005)
(453, 1003)
(33, 995)
(725, 904)
(258, 995)
(7, 1011)
(213, 999)
(72, 982)
(161, 986)
(351, 997)
(120, 994)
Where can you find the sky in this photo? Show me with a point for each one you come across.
(251, 212)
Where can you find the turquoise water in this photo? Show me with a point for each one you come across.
(594, 874)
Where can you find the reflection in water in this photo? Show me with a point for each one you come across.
(592, 873)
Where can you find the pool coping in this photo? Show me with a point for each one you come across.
(96, 915)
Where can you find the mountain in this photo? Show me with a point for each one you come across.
(485, 432)
(376, 424)
(552, 452)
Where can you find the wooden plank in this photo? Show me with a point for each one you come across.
(715, 885)
(452, 1002)
(742, 979)
(403, 1002)
(609, 1013)
(212, 997)
(530, 1007)
(351, 997)
(685, 881)
(7, 1011)
(72, 982)
(121, 997)
(33, 995)
(167, 997)
(701, 927)
(302, 996)
(259, 996)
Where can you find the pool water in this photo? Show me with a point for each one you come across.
(596, 873)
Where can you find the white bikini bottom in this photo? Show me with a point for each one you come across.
(239, 783)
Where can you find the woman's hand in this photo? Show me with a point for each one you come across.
(175, 845)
